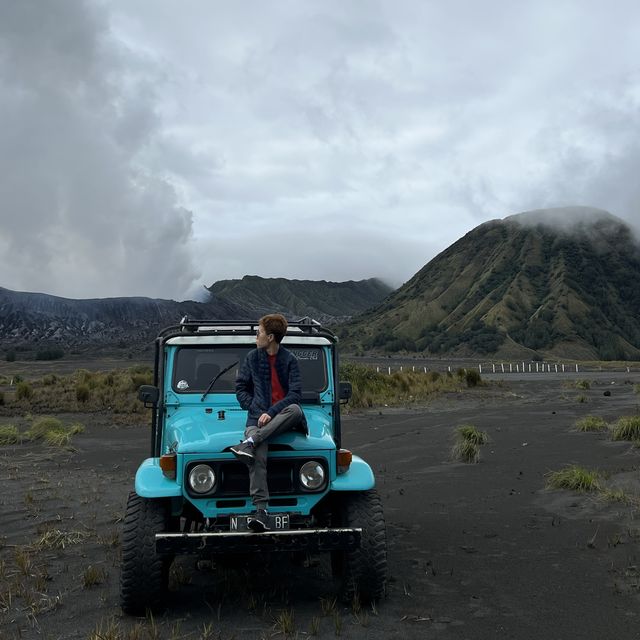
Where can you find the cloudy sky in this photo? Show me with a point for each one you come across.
(149, 147)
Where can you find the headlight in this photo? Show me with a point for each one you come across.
(312, 475)
(202, 478)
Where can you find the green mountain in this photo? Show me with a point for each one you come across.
(324, 301)
(558, 282)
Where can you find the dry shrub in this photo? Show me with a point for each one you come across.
(473, 378)
(372, 388)
(24, 391)
(83, 393)
(56, 539)
(93, 576)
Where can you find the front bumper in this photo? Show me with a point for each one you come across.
(311, 540)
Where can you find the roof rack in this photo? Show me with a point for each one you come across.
(303, 326)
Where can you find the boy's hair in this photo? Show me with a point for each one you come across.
(276, 324)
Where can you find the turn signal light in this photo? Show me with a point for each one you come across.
(168, 465)
(344, 458)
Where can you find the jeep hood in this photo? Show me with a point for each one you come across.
(190, 430)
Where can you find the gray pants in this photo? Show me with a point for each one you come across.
(286, 420)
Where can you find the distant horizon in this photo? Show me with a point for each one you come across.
(532, 216)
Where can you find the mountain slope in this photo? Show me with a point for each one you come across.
(324, 301)
(31, 318)
(562, 281)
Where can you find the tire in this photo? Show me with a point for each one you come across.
(364, 570)
(145, 574)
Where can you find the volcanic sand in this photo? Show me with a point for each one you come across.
(475, 550)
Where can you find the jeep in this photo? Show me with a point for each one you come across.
(192, 495)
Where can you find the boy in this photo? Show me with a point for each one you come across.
(269, 387)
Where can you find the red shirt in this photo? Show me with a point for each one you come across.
(277, 392)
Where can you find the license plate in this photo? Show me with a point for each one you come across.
(277, 522)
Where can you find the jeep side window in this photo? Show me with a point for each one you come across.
(313, 367)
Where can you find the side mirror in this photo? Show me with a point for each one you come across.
(345, 391)
(149, 395)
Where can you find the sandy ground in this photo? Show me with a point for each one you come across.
(475, 551)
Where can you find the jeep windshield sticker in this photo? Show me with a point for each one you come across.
(182, 385)
(306, 354)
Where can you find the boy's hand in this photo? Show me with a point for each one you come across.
(263, 419)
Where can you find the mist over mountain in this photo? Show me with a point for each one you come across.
(558, 282)
(324, 301)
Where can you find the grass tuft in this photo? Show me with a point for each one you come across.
(591, 423)
(472, 434)
(53, 431)
(574, 478)
(107, 630)
(626, 428)
(468, 440)
(619, 495)
(9, 435)
(582, 384)
(284, 623)
(93, 576)
(466, 451)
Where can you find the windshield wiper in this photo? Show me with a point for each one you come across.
(206, 393)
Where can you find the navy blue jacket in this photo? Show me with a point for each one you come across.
(253, 384)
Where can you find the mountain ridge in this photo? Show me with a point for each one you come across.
(323, 300)
(29, 319)
(518, 286)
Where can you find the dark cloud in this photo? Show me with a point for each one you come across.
(81, 215)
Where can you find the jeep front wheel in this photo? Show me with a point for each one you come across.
(145, 573)
(364, 570)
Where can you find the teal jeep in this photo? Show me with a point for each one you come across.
(192, 495)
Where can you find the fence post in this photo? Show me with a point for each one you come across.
(576, 367)
(480, 368)
(389, 370)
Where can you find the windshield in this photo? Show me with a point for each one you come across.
(195, 367)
